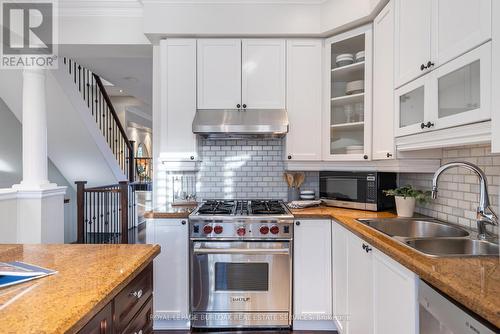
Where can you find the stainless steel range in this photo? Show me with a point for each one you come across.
(241, 264)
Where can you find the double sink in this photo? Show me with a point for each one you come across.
(433, 237)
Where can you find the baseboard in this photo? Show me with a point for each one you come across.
(314, 325)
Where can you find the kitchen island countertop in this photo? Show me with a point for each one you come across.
(88, 277)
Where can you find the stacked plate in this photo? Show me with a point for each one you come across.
(344, 59)
(307, 194)
(355, 149)
(355, 87)
(360, 56)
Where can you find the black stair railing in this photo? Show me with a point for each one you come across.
(99, 104)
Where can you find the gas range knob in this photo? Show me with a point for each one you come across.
(275, 229)
(241, 231)
(207, 229)
(264, 229)
(218, 229)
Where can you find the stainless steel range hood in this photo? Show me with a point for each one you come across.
(233, 123)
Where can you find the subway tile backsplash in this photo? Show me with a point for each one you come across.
(245, 169)
(458, 188)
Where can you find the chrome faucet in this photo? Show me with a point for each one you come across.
(485, 215)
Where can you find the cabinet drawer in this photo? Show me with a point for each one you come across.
(130, 300)
(101, 323)
(143, 322)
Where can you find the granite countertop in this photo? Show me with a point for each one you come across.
(171, 211)
(473, 282)
(89, 276)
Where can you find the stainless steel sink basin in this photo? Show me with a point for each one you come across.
(414, 228)
(454, 247)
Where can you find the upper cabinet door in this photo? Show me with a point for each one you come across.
(413, 39)
(178, 98)
(263, 70)
(383, 84)
(304, 73)
(219, 73)
(459, 26)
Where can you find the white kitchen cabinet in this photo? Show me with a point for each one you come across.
(458, 27)
(395, 297)
(347, 127)
(177, 99)
(171, 274)
(340, 260)
(263, 74)
(304, 73)
(455, 94)
(219, 73)
(383, 84)
(312, 280)
(413, 39)
(495, 108)
(359, 286)
(431, 33)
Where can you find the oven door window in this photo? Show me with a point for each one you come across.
(231, 276)
(343, 189)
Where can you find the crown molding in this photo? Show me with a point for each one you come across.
(235, 2)
(114, 8)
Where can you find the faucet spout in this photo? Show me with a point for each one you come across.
(485, 215)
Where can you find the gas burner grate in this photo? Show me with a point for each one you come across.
(267, 208)
(217, 208)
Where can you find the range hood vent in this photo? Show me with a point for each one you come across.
(233, 123)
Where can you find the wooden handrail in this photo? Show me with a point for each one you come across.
(112, 109)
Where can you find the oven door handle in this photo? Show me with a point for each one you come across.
(244, 251)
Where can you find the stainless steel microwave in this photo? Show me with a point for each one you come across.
(357, 190)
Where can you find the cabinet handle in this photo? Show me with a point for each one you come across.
(297, 223)
(365, 157)
(137, 294)
(389, 154)
(238, 106)
(244, 106)
(139, 332)
(367, 248)
(289, 157)
(192, 157)
(183, 222)
(428, 125)
(430, 64)
(423, 67)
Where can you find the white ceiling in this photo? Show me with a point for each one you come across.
(127, 67)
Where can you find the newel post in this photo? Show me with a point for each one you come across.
(131, 162)
(124, 211)
(80, 210)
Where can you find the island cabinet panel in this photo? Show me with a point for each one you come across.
(143, 322)
(101, 323)
(129, 312)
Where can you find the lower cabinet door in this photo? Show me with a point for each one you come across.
(359, 287)
(171, 285)
(101, 323)
(395, 303)
(143, 321)
(312, 270)
(340, 280)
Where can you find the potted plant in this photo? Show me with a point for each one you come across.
(406, 198)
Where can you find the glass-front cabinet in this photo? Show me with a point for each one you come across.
(455, 94)
(347, 119)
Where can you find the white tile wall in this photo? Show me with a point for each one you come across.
(458, 188)
(244, 169)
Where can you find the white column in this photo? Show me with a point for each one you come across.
(40, 207)
(34, 130)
